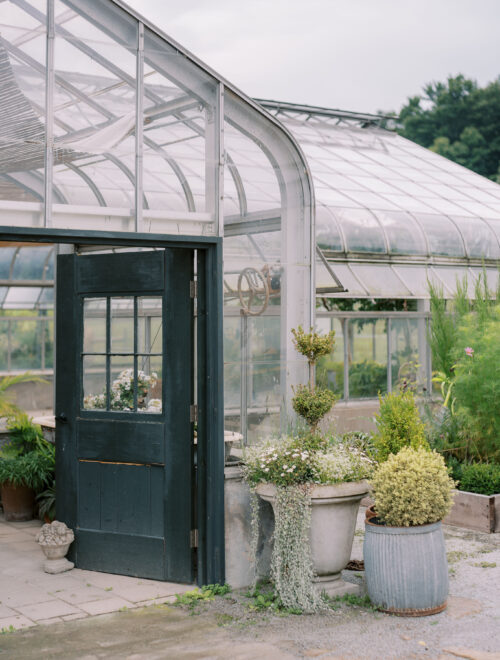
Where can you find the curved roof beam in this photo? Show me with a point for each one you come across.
(91, 184)
(238, 183)
(33, 182)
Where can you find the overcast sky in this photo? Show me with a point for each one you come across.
(363, 55)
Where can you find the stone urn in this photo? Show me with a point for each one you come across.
(55, 538)
(333, 523)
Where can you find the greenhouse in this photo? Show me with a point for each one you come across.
(151, 213)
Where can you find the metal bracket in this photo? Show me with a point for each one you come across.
(193, 538)
(193, 289)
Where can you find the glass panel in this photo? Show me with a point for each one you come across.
(330, 368)
(25, 342)
(353, 287)
(94, 382)
(380, 281)
(442, 235)
(94, 325)
(49, 344)
(122, 325)
(479, 238)
(264, 353)
(232, 367)
(405, 361)
(94, 118)
(30, 263)
(22, 71)
(367, 358)
(327, 231)
(404, 235)
(149, 325)
(149, 376)
(21, 297)
(122, 383)
(361, 230)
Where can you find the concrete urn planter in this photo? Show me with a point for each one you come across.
(55, 538)
(333, 523)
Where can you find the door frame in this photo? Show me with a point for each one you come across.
(209, 376)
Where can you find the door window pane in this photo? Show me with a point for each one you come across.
(149, 311)
(94, 325)
(122, 325)
(94, 382)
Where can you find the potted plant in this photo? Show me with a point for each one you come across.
(405, 558)
(27, 464)
(20, 477)
(314, 484)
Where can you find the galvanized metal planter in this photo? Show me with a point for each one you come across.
(406, 569)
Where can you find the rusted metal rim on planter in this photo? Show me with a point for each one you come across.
(424, 612)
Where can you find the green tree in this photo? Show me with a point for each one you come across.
(459, 120)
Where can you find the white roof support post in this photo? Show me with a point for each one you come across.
(49, 113)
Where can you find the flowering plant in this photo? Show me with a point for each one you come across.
(286, 462)
(122, 393)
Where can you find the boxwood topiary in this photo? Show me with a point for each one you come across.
(312, 405)
(412, 488)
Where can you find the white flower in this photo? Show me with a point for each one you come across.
(266, 469)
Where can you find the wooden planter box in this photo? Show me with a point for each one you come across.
(478, 512)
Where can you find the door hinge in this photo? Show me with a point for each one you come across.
(193, 413)
(193, 289)
(193, 538)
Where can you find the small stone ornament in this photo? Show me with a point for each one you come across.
(55, 539)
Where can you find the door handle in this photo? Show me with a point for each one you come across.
(62, 418)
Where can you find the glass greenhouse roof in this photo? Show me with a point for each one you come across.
(383, 199)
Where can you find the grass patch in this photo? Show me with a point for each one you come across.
(485, 564)
(207, 593)
(456, 555)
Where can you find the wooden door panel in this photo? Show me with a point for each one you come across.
(129, 272)
(121, 441)
(121, 498)
(123, 554)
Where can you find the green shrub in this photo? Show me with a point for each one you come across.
(312, 405)
(476, 388)
(482, 478)
(398, 425)
(367, 379)
(24, 436)
(412, 488)
(34, 470)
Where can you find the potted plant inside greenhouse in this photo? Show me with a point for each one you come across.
(27, 464)
(314, 483)
(404, 552)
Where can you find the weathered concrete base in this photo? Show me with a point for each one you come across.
(333, 585)
(473, 511)
(55, 566)
(240, 569)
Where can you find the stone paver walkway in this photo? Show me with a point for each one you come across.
(29, 596)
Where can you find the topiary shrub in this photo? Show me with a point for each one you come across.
(482, 478)
(312, 405)
(398, 425)
(412, 488)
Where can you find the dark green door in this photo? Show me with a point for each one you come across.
(124, 386)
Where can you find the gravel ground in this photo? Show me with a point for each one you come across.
(227, 628)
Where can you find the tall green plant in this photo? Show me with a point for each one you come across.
(398, 425)
(477, 382)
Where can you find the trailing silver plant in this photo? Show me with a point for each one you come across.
(291, 561)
